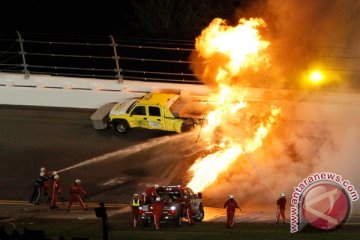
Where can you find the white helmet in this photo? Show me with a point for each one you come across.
(56, 176)
(42, 169)
(136, 195)
(231, 196)
(143, 193)
(54, 173)
(42, 174)
(78, 181)
(282, 194)
(158, 199)
(156, 186)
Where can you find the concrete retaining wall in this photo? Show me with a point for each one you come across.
(43, 90)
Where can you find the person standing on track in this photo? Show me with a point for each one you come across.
(38, 184)
(281, 203)
(198, 201)
(56, 191)
(135, 204)
(76, 190)
(151, 193)
(157, 207)
(46, 187)
(231, 206)
(188, 209)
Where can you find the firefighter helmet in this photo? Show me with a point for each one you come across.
(156, 186)
(78, 181)
(282, 194)
(136, 195)
(42, 169)
(231, 196)
(158, 199)
(54, 173)
(42, 174)
(56, 176)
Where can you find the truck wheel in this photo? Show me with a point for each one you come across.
(200, 216)
(187, 125)
(122, 126)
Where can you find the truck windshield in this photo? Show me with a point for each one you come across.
(131, 106)
(173, 194)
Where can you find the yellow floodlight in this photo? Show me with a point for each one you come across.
(316, 77)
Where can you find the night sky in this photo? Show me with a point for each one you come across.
(178, 21)
(62, 16)
(112, 17)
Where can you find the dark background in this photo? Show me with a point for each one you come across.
(180, 18)
(302, 36)
(162, 25)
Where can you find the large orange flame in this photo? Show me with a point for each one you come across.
(228, 125)
(240, 44)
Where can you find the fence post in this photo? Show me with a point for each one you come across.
(113, 44)
(22, 52)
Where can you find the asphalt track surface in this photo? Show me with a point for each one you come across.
(112, 166)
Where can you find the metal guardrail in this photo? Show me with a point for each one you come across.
(133, 59)
(164, 60)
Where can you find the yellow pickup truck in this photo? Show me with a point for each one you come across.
(162, 111)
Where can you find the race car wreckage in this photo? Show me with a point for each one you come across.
(173, 198)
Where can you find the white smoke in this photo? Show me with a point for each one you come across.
(312, 137)
(308, 34)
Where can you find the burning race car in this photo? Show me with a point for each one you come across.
(174, 202)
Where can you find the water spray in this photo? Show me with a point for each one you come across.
(124, 152)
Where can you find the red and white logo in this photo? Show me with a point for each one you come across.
(325, 205)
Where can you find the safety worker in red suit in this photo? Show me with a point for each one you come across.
(157, 207)
(50, 184)
(135, 204)
(76, 190)
(188, 209)
(151, 193)
(231, 206)
(281, 203)
(56, 191)
(46, 185)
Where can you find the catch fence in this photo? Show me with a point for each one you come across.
(110, 57)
